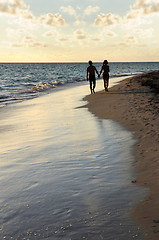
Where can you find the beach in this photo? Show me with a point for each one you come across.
(134, 103)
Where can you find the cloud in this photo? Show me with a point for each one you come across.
(107, 19)
(111, 34)
(143, 7)
(80, 34)
(49, 34)
(16, 8)
(89, 10)
(108, 33)
(96, 39)
(26, 14)
(130, 39)
(52, 19)
(78, 22)
(12, 7)
(132, 14)
(63, 39)
(18, 3)
(145, 33)
(29, 41)
(148, 7)
(37, 44)
(17, 45)
(70, 10)
(14, 33)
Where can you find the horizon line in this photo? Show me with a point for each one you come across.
(87, 62)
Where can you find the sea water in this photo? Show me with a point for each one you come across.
(22, 81)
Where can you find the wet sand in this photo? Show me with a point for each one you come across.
(135, 104)
(63, 172)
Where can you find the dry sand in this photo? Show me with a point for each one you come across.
(135, 104)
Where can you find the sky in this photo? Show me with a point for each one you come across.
(79, 30)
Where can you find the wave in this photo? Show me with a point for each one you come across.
(43, 87)
(124, 75)
(48, 85)
(3, 97)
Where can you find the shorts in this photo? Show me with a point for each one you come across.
(92, 78)
(105, 75)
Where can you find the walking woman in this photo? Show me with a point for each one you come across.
(105, 70)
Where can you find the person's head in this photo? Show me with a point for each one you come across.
(90, 62)
(105, 62)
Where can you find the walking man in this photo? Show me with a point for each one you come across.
(91, 70)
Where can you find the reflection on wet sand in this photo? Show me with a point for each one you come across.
(65, 173)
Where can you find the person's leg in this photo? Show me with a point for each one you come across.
(94, 85)
(107, 82)
(104, 80)
(90, 81)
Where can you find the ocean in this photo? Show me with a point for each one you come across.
(22, 81)
(64, 173)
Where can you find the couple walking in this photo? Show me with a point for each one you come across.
(91, 70)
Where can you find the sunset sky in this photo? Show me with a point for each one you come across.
(79, 30)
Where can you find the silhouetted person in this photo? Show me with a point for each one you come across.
(105, 70)
(91, 70)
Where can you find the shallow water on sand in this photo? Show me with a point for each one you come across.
(65, 174)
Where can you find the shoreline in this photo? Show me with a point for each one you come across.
(134, 104)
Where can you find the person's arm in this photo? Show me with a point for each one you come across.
(96, 71)
(101, 70)
(87, 74)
